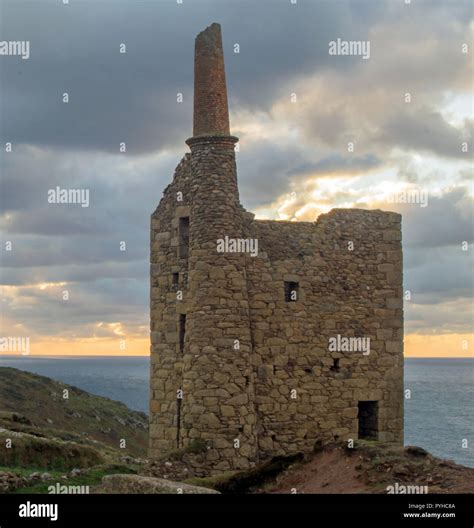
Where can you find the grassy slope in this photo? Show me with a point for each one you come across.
(50, 433)
(82, 417)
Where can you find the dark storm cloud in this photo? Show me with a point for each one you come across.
(132, 97)
(446, 221)
(108, 300)
(367, 104)
(336, 164)
(436, 275)
(427, 131)
(77, 272)
(68, 243)
(115, 185)
(266, 170)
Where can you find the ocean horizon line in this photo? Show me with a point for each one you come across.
(70, 356)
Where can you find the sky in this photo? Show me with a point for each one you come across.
(316, 130)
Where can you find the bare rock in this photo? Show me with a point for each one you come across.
(136, 484)
(10, 481)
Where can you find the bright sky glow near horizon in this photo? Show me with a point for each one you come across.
(295, 109)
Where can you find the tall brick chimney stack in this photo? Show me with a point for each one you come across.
(211, 112)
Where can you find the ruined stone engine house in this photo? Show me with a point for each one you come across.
(270, 353)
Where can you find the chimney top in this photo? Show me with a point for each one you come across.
(211, 112)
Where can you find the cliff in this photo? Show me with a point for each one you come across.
(52, 431)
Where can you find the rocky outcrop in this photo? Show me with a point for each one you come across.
(135, 484)
(10, 481)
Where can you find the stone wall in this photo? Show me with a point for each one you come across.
(348, 266)
(215, 377)
(166, 364)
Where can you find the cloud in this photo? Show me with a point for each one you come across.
(336, 164)
(449, 317)
(41, 309)
(132, 96)
(426, 130)
(395, 100)
(116, 184)
(446, 221)
(294, 160)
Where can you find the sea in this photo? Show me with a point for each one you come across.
(439, 402)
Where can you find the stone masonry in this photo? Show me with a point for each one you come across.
(256, 356)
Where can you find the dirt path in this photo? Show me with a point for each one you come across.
(371, 469)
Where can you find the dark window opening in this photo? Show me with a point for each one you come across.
(175, 279)
(291, 291)
(181, 331)
(368, 420)
(308, 370)
(178, 420)
(335, 365)
(183, 234)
